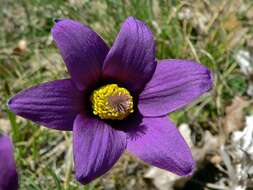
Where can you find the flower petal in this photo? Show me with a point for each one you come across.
(53, 104)
(175, 83)
(131, 59)
(160, 144)
(8, 174)
(82, 49)
(97, 147)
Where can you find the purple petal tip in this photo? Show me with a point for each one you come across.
(8, 174)
(9, 104)
(187, 169)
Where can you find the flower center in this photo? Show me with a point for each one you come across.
(112, 102)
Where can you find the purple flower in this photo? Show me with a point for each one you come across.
(117, 98)
(8, 173)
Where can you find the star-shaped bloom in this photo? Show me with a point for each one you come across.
(8, 173)
(117, 98)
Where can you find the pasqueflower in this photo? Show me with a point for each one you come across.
(117, 98)
(8, 173)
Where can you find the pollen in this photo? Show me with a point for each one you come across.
(112, 102)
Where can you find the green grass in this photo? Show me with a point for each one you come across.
(44, 156)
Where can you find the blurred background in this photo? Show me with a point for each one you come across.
(218, 127)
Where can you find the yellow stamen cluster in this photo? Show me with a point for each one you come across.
(112, 102)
